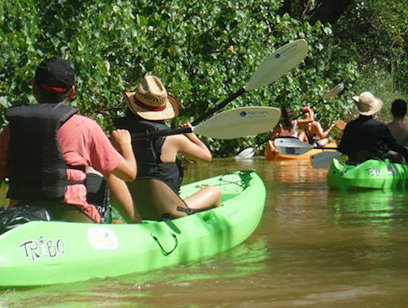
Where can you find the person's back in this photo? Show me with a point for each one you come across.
(366, 138)
(60, 145)
(397, 127)
(148, 152)
(288, 127)
(157, 157)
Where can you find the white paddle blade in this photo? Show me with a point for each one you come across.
(291, 146)
(248, 153)
(240, 122)
(324, 159)
(333, 92)
(278, 63)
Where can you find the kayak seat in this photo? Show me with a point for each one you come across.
(155, 200)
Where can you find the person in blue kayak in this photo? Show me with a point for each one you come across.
(46, 149)
(365, 137)
(149, 107)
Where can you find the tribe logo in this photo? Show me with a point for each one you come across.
(374, 171)
(35, 250)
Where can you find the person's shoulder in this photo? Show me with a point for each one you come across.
(177, 138)
(82, 118)
(379, 123)
(84, 121)
(82, 125)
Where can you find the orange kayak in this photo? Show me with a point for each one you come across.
(272, 154)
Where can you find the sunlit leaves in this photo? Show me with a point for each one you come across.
(203, 51)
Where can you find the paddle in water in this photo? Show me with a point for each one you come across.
(230, 124)
(324, 159)
(272, 67)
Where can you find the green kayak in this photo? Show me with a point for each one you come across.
(371, 174)
(44, 253)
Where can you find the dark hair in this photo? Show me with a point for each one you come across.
(287, 117)
(54, 78)
(399, 108)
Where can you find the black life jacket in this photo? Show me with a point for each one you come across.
(148, 152)
(36, 167)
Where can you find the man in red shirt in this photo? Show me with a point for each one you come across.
(46, 148)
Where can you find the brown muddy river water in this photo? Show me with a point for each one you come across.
(313, 248)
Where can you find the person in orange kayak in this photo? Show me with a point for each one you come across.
(366, 138)
(149, 107)
(288, 127)
(46, 148)
(314, 131)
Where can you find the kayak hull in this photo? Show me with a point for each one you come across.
(271, 153)
(371, 174)
(44, 253)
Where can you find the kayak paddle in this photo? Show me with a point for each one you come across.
(248, 153)
(324, 159)
(230, 124)
(333, 92)
(272, 67)
(293, 146)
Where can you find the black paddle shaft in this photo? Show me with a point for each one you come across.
(319, 101)
(167, 132)
(219, 106)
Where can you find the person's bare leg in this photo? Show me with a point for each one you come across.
(121, 200)
(75, 216)
(302, 137)
(323, 142)
(205, 198)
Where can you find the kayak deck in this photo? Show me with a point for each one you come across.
(271, 153)
(371, 174)
(43, 253)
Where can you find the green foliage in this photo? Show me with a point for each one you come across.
(203, 51)
(375, 33)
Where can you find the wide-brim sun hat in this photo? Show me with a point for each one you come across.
(368, 104)
(151, 101)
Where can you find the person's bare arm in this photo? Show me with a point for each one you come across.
(189, 145)
(186, 148)
(127, 168)
(275, 132)
(308, 117)
(317, 129)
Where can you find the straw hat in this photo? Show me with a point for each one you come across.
(367, 103)
(150, 101)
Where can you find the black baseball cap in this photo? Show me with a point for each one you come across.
(55, 75)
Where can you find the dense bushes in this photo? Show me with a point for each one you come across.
(202, 50)
(375, 34)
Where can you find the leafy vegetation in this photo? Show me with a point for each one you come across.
(203, 51)
(375, 33)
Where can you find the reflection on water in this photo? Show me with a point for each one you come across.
(313, 247)
(369, 207)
